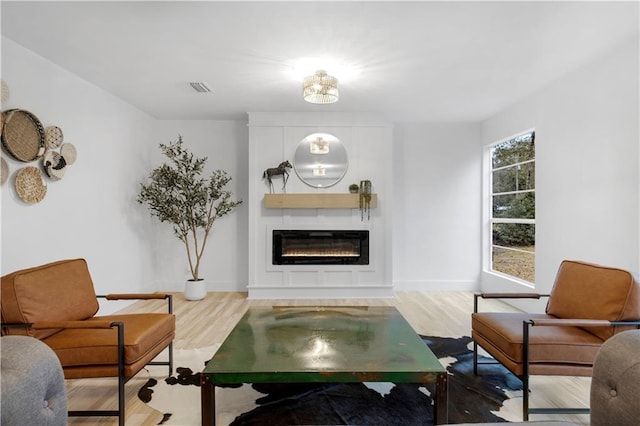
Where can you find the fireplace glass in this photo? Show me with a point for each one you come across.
(320, 247)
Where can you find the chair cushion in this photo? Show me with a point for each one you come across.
(583, 290)
(501, 335)
(58, 291)
(145, 336)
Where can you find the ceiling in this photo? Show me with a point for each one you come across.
(415, 61)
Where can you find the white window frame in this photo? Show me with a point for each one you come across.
(490, 220)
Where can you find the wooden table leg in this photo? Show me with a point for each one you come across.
(440, 406)
(207, 401)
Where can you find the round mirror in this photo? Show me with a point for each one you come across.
(320, 160)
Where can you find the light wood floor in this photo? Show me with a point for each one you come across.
(209, 321)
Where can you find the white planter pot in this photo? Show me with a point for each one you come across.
(195, 290)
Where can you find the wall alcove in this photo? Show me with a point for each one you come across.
(275, 137)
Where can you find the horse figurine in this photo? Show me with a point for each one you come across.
(274, 171)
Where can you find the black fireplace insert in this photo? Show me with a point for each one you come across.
(320, 247)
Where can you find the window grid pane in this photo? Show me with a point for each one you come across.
(517, 206)
(512, 193)
(513, 151)
(517, 177)
(519, 264)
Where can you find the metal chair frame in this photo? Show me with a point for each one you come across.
(526, 328)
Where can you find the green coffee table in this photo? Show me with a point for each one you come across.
(323, 345)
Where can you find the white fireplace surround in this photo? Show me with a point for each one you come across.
(273, 139)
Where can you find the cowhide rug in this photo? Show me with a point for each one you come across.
(471, 398)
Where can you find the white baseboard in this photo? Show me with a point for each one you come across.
(437, 285)
(173, 286)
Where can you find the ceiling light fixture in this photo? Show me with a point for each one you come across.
(319, 171)
(319, 146)
(320, 88)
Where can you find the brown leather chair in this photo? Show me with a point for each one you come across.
(588, 304)
(56, 303)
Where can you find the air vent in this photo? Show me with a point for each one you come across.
(200, 86)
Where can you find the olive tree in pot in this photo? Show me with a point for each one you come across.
(178, 193)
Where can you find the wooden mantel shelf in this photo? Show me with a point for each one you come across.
(316, 201)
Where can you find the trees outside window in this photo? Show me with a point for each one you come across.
(513, 207)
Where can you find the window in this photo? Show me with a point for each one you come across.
(513, 207)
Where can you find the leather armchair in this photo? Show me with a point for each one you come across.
(57, 304)
(588, 304)
(615, 387)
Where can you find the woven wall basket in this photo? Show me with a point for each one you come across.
(4, 91)
(22, 135)
(54, 165)
(68, 152)
(53, 136)
(4, 169)
(30, 185)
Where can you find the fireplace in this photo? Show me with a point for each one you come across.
(320, 247)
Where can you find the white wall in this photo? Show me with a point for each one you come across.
(91, 212)
(587, 162)
(436, 206)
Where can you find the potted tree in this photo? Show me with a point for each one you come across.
(178, 193)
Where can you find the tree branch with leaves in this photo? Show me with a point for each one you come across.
(177, 193)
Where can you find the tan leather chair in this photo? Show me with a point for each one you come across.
(56, 303)
(588, 304)
(615, 387)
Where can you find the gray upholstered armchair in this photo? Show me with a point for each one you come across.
(32, 383)
(615, 386)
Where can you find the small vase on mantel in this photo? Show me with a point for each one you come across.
(195, 290)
